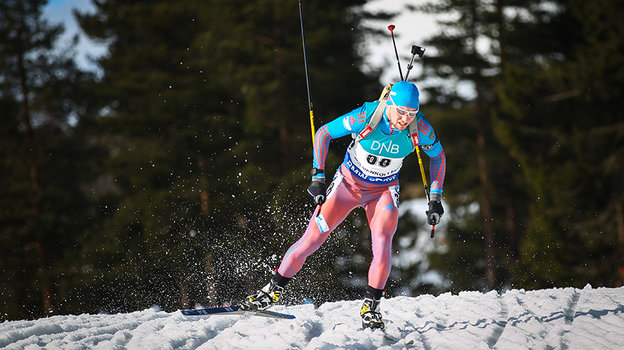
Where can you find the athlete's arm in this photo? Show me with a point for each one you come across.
(344, 125)
(432, 146)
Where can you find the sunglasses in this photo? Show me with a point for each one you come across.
(403, 111)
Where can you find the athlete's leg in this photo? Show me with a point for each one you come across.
(383, 215)
(340, 201)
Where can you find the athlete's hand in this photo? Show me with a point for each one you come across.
(317, 190)
(434, 213)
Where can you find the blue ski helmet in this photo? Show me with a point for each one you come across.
(404, 94)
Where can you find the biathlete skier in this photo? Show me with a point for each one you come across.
(367, 178)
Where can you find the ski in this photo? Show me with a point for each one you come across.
(235, 310)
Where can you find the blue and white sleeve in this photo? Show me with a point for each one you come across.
(431, 145)
(344, 125)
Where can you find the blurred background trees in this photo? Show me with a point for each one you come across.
(178, 175)
(47, 154)
(545, 135)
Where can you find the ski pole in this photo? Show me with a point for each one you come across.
(305, 63)
(420, 51)
(424, 180)
(391, 28)
(307, 73)
(416, 50)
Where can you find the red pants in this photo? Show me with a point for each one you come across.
(345, 193)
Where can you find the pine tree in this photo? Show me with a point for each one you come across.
(465, 98)
(42, 156)
(560, 123)
(208, 140)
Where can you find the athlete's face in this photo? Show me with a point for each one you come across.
(400, 117)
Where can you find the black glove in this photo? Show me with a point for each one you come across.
(434, 213)
(317, 190)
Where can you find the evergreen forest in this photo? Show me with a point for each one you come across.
(176, 173)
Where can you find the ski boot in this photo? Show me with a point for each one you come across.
(267, 296)
(371, 317)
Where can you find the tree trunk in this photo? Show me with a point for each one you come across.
(513, 238)
(203, 185)
(184, 295)
(482, 164)
(486, 211)
(278, 64)
(211, 289)
(47, 294)
(619, 222)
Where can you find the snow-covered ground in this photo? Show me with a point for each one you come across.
(565, 318)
